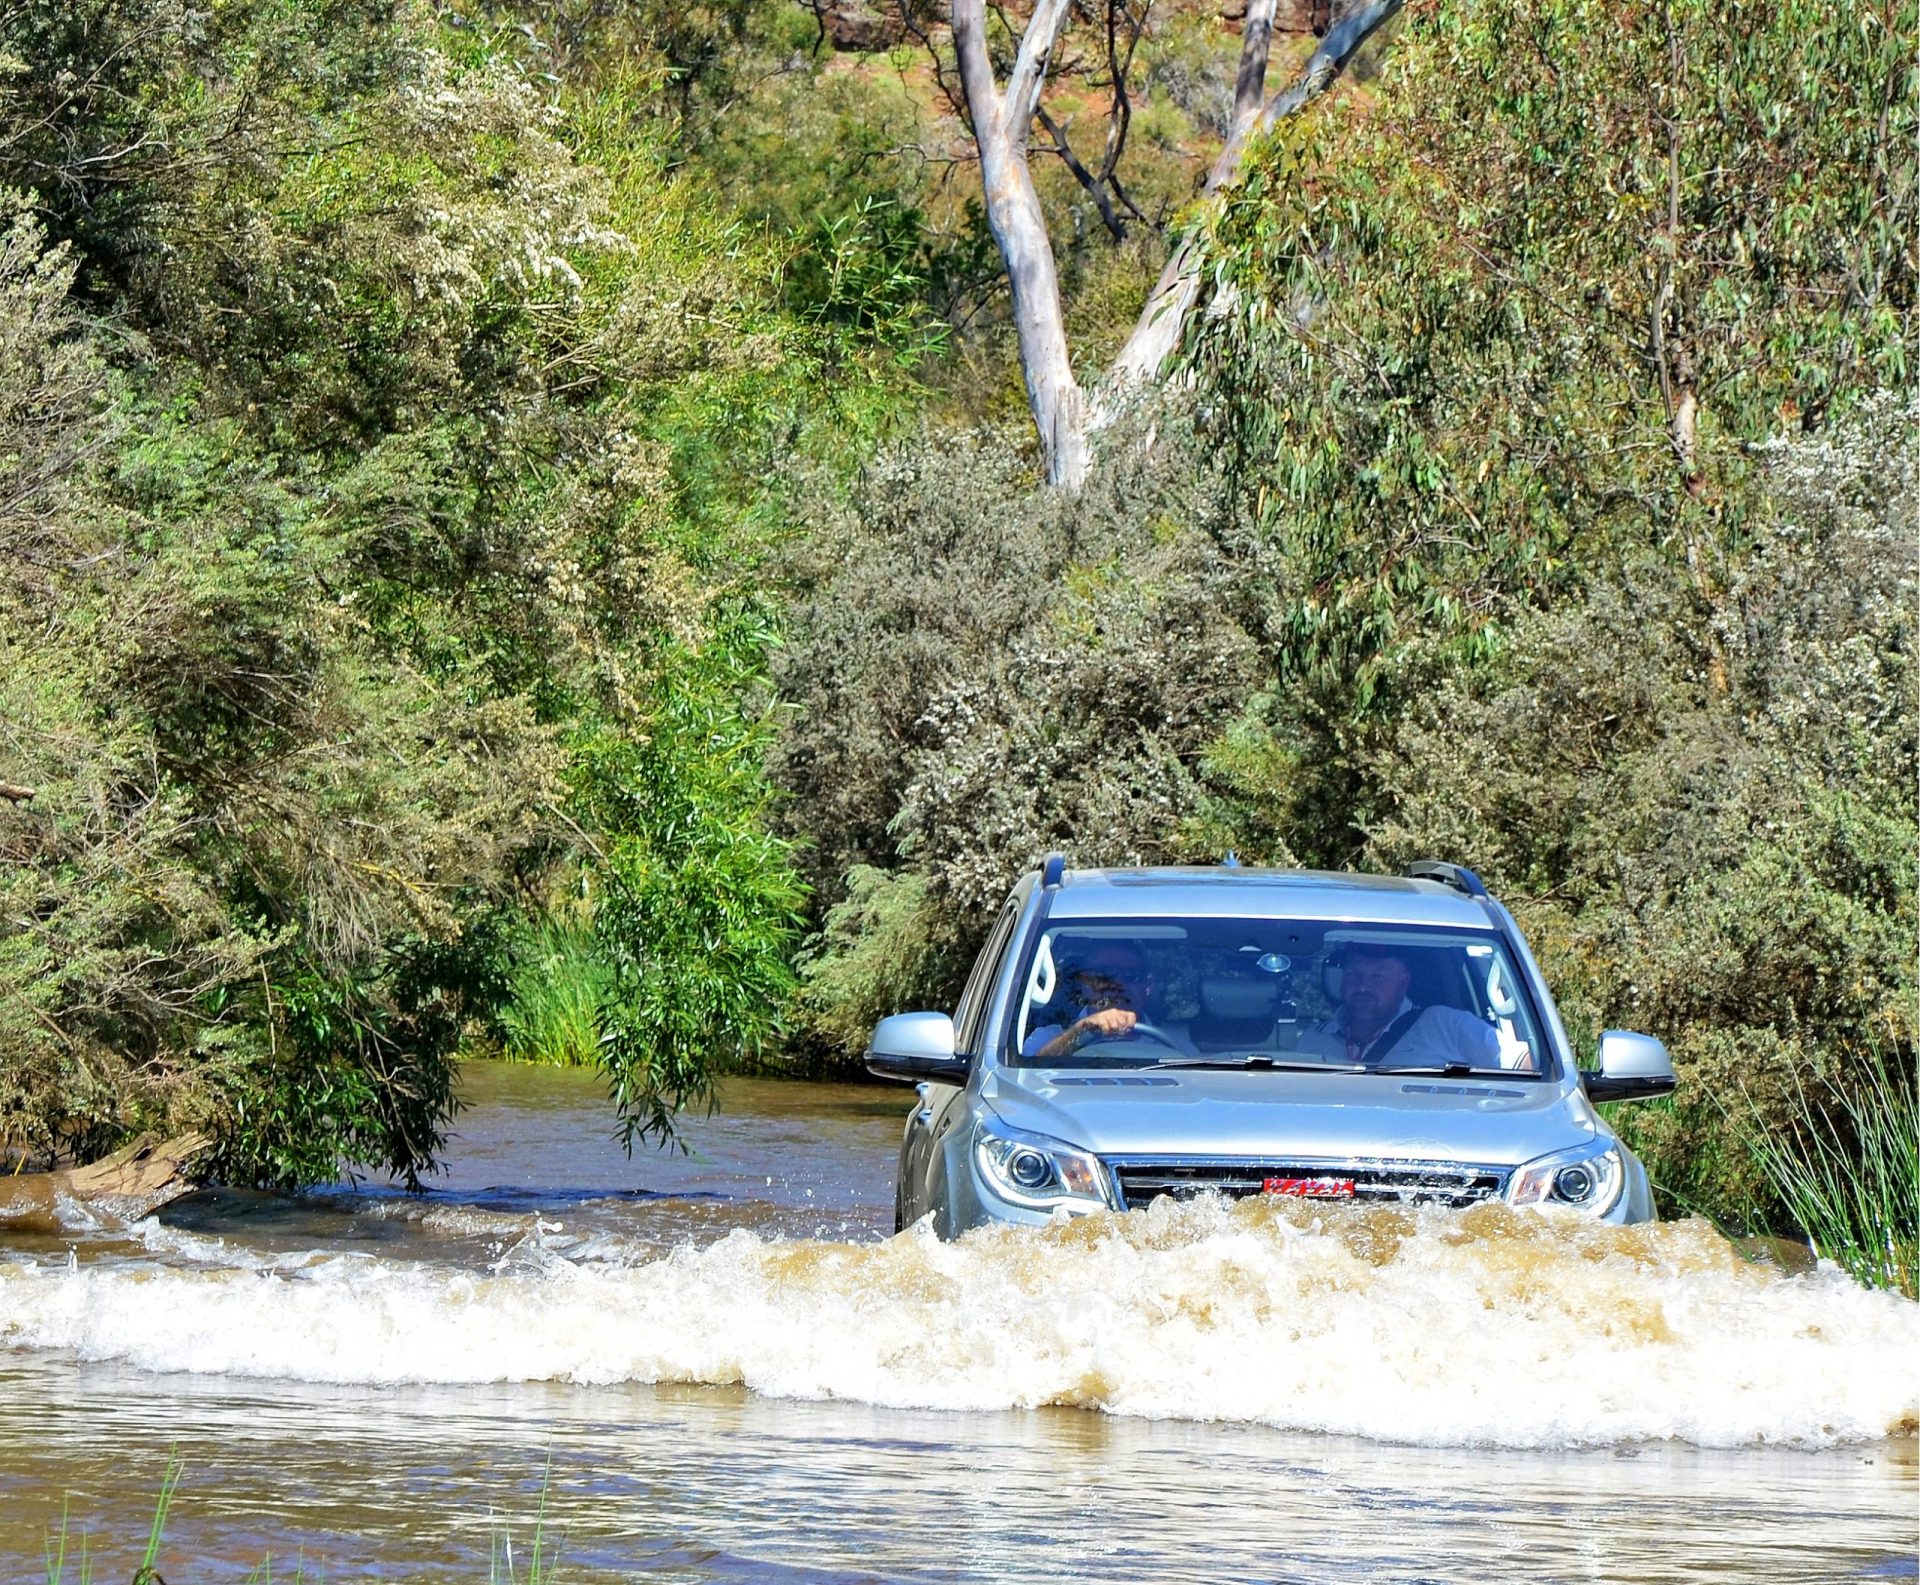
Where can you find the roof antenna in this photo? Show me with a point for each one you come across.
(1231, 861)
(1054, 870)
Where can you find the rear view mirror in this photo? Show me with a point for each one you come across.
(917, 1047)
(1632, 1068)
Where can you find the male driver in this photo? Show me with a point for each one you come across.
(1376, 1024)
(1109, 985)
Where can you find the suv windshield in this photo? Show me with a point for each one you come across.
(1273, 993)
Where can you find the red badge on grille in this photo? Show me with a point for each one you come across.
(1310, 1188)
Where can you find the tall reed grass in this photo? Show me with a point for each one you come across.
(558, 988)
(1848, 1174)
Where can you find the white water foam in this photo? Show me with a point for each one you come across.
(1490, 1328)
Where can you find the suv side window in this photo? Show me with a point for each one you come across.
(979, 992)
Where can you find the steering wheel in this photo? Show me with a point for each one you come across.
(1151, 1032)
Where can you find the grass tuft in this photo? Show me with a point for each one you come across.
(57, 1554)
(169, 1484)
(542, 1560)
(147, 1573)
(1849, 1176)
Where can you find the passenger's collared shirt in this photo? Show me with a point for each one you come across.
(1439, 1035)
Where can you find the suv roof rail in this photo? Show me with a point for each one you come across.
(1458, 876)
(1054, 870)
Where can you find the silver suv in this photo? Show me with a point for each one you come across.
(1128, 1034)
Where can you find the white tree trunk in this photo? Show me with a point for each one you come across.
(1000, 125)
(1062, 413)
(1250, 86)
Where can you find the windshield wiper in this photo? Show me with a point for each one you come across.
(1260, 1061)
(1444, 1070)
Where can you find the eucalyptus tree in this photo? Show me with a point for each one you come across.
(1002, 113)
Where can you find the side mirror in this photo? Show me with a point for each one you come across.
(1632, 1068)
(917, 1047)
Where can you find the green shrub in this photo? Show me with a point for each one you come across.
(881, 949)
(697, 902)
(978, 673)
(1516, 322)
(1701, 810)
(404, 502)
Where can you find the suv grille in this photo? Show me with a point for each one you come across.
(1374, 1182)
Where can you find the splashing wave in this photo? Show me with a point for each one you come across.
(1492, 1328)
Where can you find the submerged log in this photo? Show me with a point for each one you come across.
(133, 1182)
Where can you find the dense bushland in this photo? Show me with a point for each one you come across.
(1532, 498)
(519, 533)
(979, 673)
(1569, 386)
(385, 438)
(1701, 810)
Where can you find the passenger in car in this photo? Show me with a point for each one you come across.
(1378, 1024)
(1109, 990)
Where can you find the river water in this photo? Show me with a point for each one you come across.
(719, 1366)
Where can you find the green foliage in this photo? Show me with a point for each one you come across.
(1522, 313)
(361, 1071)
(879, 951)
(145, 1573)
(400, 509)
(1702, 813)
(429, 446)
(1849, 1175)
(110, 107)
(1501, 559)
(556, 998)
(699, 903)
(1500, 356)
(977, 674)
(863, 271)
(930, 568)
(853, 156)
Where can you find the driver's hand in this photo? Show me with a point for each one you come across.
(1110, 1020)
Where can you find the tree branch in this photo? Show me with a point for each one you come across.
(918, 26)
(1341, 44)
(1164, 318)
(1256, 39)
(1029, 74)
(1095, 187)
(1120, 117)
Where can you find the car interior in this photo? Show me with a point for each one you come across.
(1255, 986)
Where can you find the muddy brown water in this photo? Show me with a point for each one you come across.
(720, 1366)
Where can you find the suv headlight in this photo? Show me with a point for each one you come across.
(1038, 1172)
(1587, 1178)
